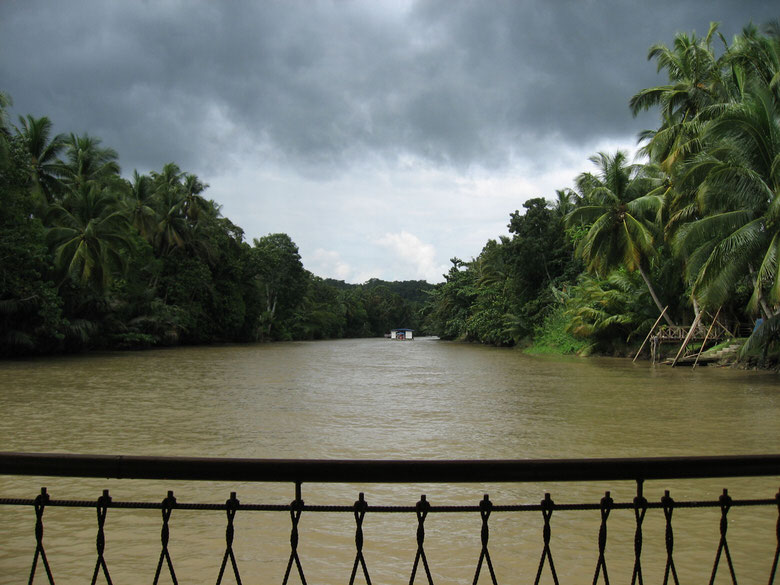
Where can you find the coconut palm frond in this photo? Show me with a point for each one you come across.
(763, 338)
(691, 236)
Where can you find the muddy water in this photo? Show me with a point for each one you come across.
(380, 399)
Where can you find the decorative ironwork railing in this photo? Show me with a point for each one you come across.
(298, 472)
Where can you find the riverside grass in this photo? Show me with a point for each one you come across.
(551, 338)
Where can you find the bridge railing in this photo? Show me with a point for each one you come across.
(300, 472)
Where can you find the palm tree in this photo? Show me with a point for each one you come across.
(694, 76)
(181, 212)
(701, 86)
(172, 227)
(87, 162)
(740, 193)
(756, 58)
(620, 210)
(43, 152)
(194, 204)
(696, 82)
(565, 201)
(168, 179)
(87, 237)
(765, 337)
(615, 307)
(140, 206)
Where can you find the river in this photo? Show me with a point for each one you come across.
(376, 398)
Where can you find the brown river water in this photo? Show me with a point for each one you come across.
(375, 398)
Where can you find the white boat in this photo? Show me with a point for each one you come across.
(402, 334)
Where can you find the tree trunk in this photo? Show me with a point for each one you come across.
(655, 297)
(271, 320)
(757, 286)
(270, 306)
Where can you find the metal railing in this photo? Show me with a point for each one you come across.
(298, 472)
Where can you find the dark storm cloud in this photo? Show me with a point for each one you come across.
(316, 84)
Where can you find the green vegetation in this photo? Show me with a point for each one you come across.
(553, 336)
(695, 225)
(89, 260)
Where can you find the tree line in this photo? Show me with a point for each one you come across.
(91, 260)
(693, 225)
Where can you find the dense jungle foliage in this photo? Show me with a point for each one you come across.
(89, 259)
(694, 225)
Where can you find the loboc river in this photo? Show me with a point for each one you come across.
(377, 398)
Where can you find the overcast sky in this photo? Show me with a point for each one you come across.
(384, 137)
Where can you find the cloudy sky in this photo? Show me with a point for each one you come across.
(384, 136)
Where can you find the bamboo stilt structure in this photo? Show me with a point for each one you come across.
(687, 338)
(649, 334)
(701, 349)
(722, 326)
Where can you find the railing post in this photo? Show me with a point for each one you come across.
(640, 509)
(102, 509)
(547, 509)
(723, 545)
(167, 508)
(231, 505)
(421, 510)
(485, 507)
(606, 508)
(40, 504)
(296, 508)
(668, 504)
(360, 513)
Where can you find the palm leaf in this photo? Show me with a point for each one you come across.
(763, 337)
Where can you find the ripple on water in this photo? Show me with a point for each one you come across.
(378, 399)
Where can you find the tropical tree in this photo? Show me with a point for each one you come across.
(740, 234)
(168, 178)
(194, 205)
(490, 312)
(621, 211)
(755, 58)
(43, 150)
(140, 206)
(180, 211)
(451, 302)
(605, 310)
(172, 229)
(764, 338)
(30, 309)
(86, 162)
(696, 81)
(565, 202)
(88, 236)
(279, 274)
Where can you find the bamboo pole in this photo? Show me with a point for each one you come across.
(703, 343)
(687, 338)
(649, 334)
(724, 330)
